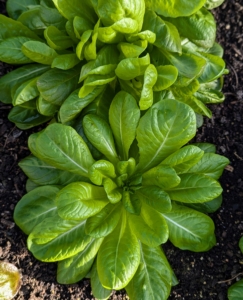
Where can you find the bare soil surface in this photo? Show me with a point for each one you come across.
(205, 276)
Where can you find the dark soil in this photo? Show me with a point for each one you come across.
(204, 276)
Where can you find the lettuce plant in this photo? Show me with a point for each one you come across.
(236, 290)
(73, 53)
(106, 218)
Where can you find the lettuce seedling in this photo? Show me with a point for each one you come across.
(73, 53)
(106, 218)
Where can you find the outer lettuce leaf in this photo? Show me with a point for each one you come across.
(35, 206)
(118, 257)
(236, 290)
(17, 77)
(189, 229)
(183, 159)
(195, 188)
(199, 28)
(42, 173)
(167, 35)
(97, 289)
(15, 8)
(56, 239)
(56, 85)
(62, 147)
(162, 124)
(75, 268)
(153, 277)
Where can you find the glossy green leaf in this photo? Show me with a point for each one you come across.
(26, 92)
(183, 159)
(211, 165)
(62, 147)
(104, 64)
(209, 96)
(78, 126)
(207, 207)
(150, 78)
(98, 290)
(167, 35)
(90, 51)
(25, 118)
(236, 290)
(100, 135)
(80, 200)
(200, 28)
(56, 85)
(206, 147)
(195, 64)
(30, 185)
(101, 169)
(131, 204)
(108, 35)
(10, 280)
(39, 52)
(121, 10)
(56, 39)
(71, 8)
(101, 104)
(104, 222)
(154, 197)
(65, 61)
(113, 192)
(56, 239)
(167, 75)
(126, 167)
(118, 257)
(17, 77)
(15, 8)
(73, 105)
(45, 108)
(130, 68)
(42, 173)
(80, 25)
(132, 50)
(10, 50)
(214, 68)
(150, 226)
(162, 176)
(34, 207)
(11, 28)
(190, 229)
(50, 15)
(210, 4)
(195, 188)
(31, 19)
(174, 8)
(75, 268)
(162, 124)
(124, 115)
(146, 35)
(153, 277)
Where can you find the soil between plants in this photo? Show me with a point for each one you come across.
(203, 276)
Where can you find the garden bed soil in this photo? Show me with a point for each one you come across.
(205, 276)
